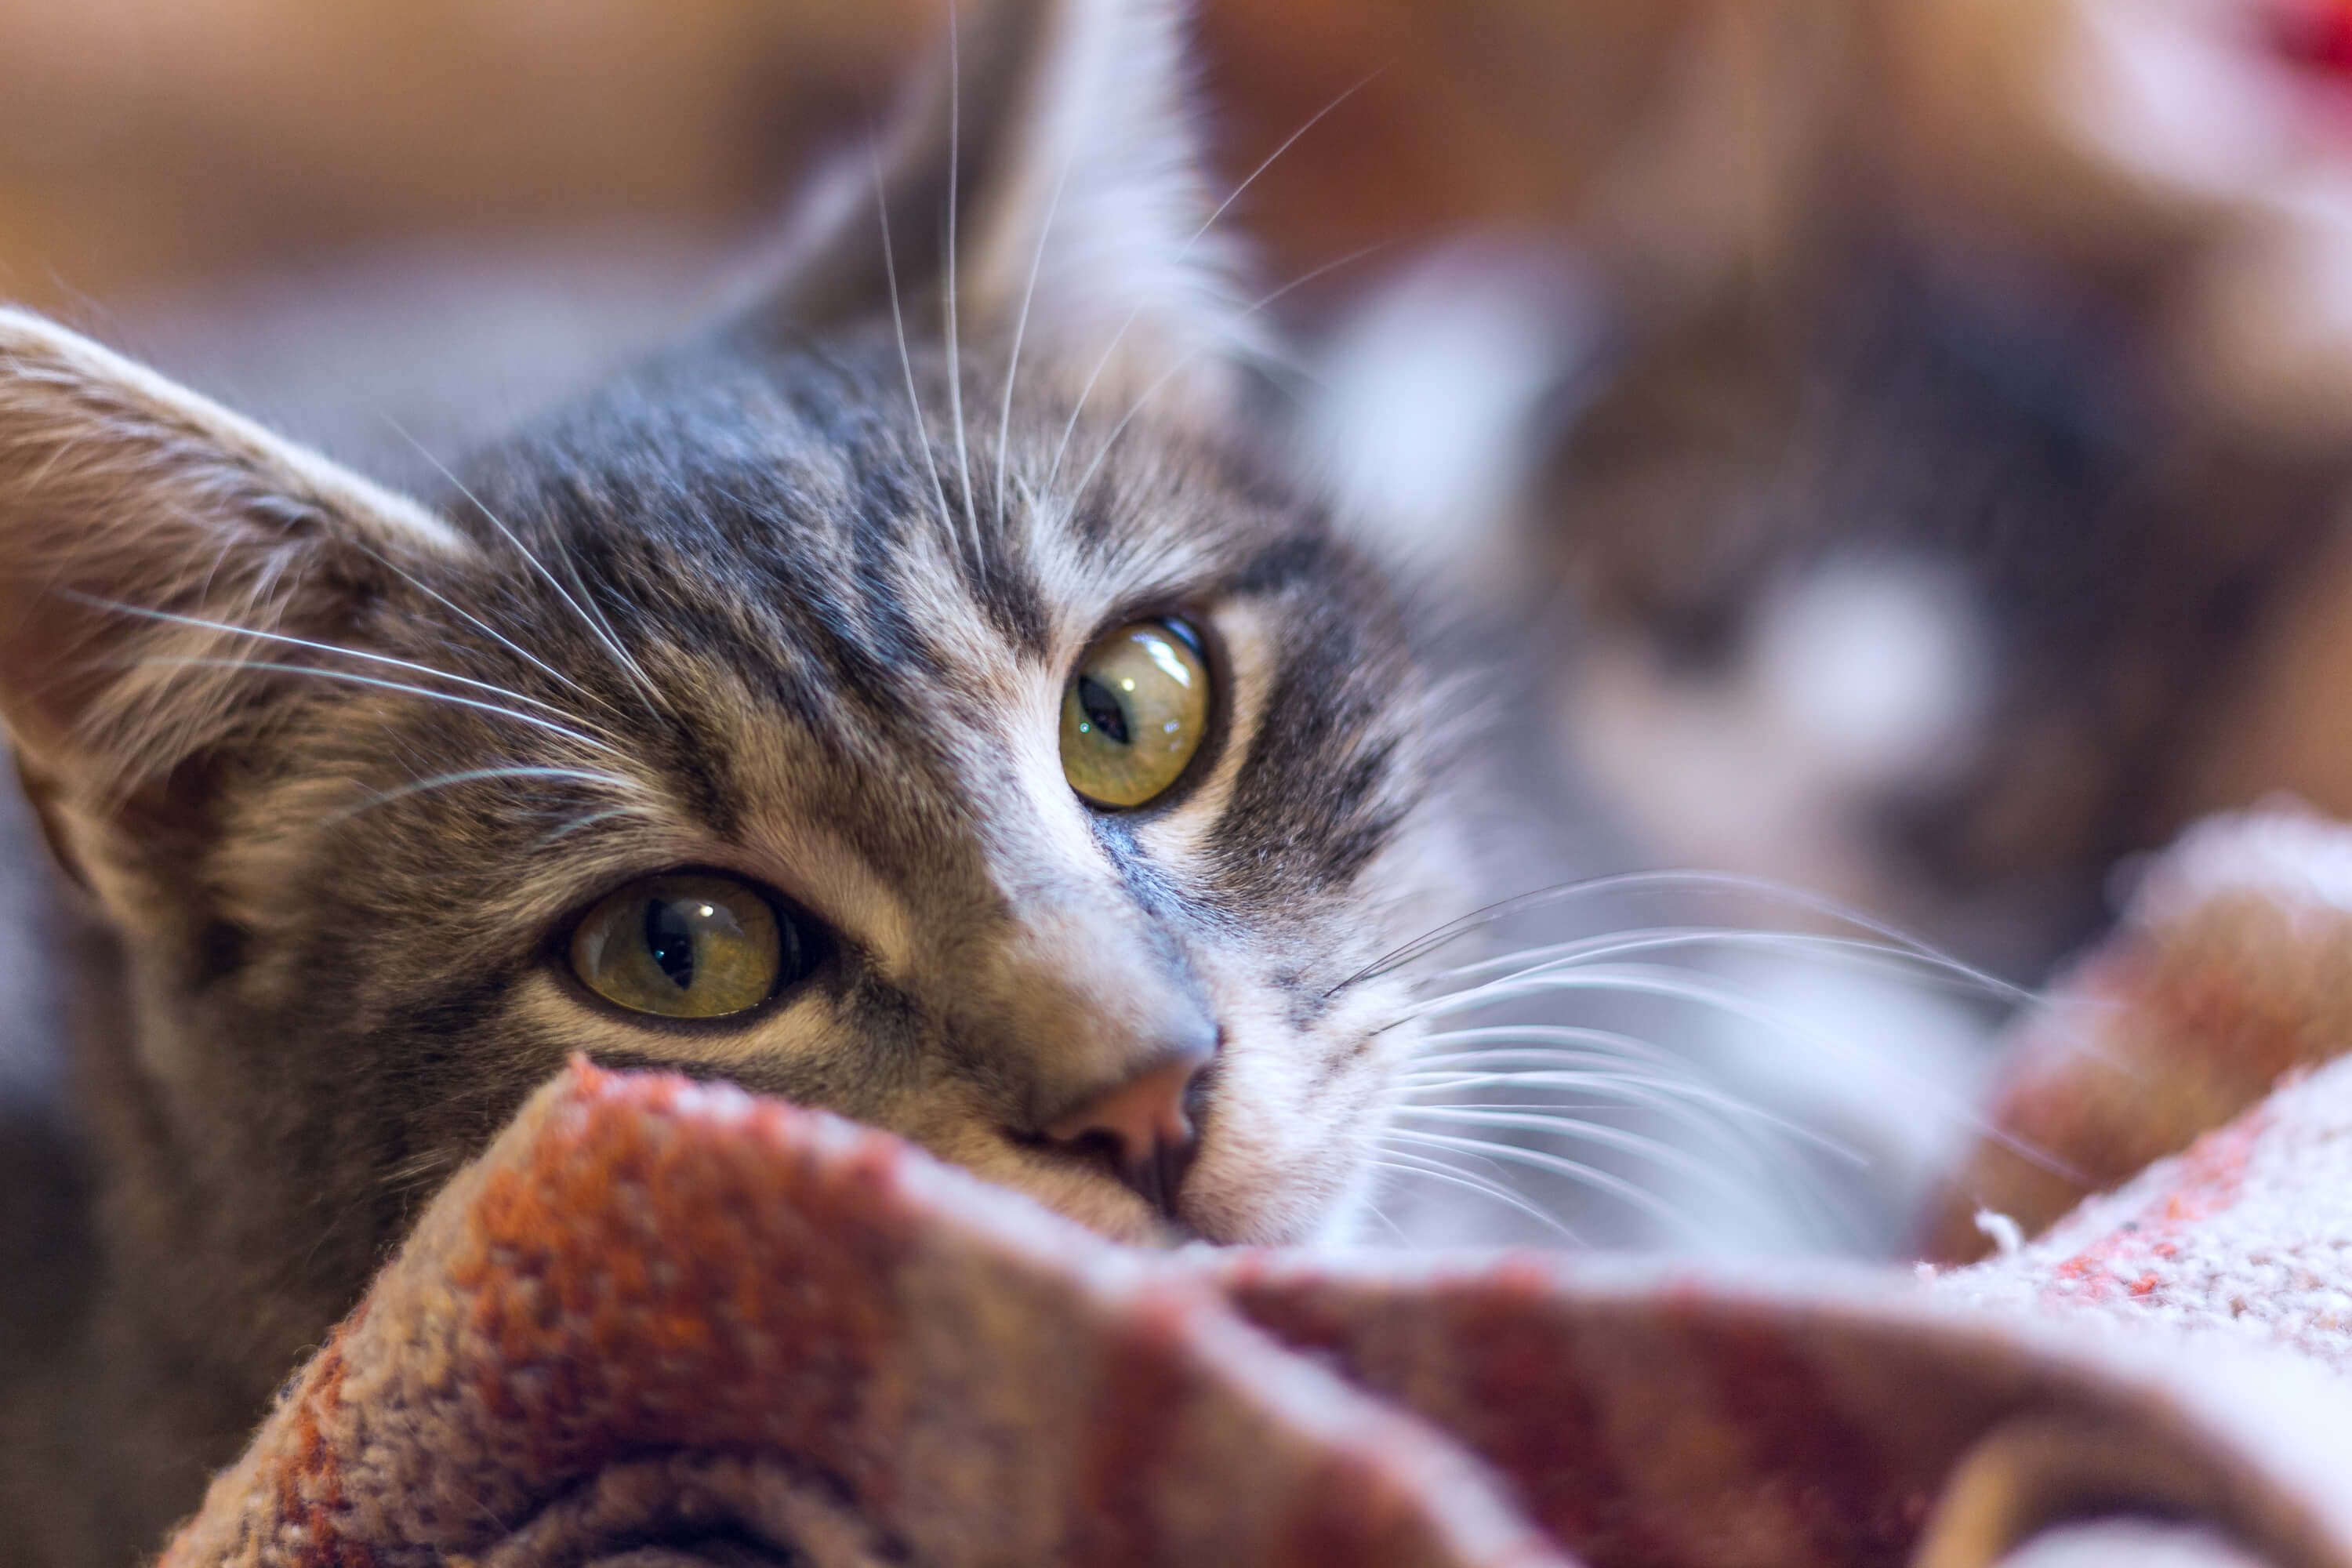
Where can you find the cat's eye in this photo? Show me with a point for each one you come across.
(687, 945)
(1136, 712)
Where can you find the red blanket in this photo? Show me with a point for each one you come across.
(675, 1323)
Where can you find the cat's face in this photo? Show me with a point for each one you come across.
(759, 650)
(1024, 772)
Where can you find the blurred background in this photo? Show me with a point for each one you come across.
(227, 179)
(1891, 460)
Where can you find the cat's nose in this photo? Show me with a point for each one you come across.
(1145, 1124)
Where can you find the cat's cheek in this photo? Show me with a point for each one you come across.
(1294, 1118)
(1278, 1154)
(1269, 1195)
(1351, 1217)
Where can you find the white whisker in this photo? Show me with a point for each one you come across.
(488, 630)
(1634, 979)
(1184, 360)
(1576, 1171)
(1021, 328)
(1558, 1068)
(1731, 1111)
(1111, 348)
(1681, 881)
(1375, 1210)
(589, 616)
(233, 629)
(580, 822)
(1643, 980)
(1736, 1125)
(1266, 162)
(1682, 986)
(1432, 1169)
(906, 361)
(955, 349)
(1607, 1046)
(472, 775)
(1536, 1043)
(450, 699)
(1869, 952)
(1599, 1134)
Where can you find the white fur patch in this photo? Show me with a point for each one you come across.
(1872, 671)
(1859, 678)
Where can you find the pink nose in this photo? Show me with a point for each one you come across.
(1144, 1126)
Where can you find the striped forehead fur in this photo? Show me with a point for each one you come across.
(732, 508)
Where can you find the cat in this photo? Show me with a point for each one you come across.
(1923, 484)
(922, 695)
(1886, 562)
(1919, 549)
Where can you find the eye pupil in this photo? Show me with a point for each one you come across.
(691, 944)
(1103, 710)
(670, 939)
(1134, 713)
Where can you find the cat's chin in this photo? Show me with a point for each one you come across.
(1103, 1205)
(1212, 1213)
(1117, 1215)
(1110, 1209)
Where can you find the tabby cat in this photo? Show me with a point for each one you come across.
(921, 697)
(1931, 561)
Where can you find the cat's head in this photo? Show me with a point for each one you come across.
(915, 699)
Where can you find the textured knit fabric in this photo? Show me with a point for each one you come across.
(669, 1323)
(2249, 1233)
(2232, 967)
(661, 1323)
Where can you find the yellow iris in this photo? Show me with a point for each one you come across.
(1136, 712)
(688, 945)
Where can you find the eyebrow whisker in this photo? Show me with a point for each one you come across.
(357, 679)
(233, 629)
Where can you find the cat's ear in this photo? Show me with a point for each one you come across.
(1048, 170)
(136, 519)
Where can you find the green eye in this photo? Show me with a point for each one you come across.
(687, 945)
(1136, 712)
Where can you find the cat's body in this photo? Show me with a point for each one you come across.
(1927, 472)
(791, 613)
(1922, 550)
(1889, 562)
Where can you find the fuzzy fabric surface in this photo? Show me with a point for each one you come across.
(663, 1324)
(2232, 969)
(2248, 1233)
(2224, 1003)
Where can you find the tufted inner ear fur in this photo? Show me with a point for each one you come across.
(142, 529)
(1045, 181)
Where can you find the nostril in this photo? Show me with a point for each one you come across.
(1144, 1127)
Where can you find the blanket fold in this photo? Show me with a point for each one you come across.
(670, 1318)
(662, 1324)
